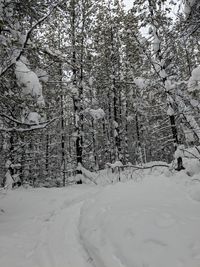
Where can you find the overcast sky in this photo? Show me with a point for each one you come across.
(128, 3)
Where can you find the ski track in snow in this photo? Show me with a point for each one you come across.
(42, 229)
(153, 223)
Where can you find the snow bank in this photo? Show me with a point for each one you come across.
(192, 166)
(153, 223)
(114, 172)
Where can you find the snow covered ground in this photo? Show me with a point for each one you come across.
(39, 228)
(153, 223)
(150, 223)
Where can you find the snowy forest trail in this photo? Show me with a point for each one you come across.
(39, 228)
(150, 223)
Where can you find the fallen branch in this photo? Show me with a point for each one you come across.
(87, 174)
(89, 178)
(186, 151)
(143, 167)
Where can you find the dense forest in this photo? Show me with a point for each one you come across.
(85, 84)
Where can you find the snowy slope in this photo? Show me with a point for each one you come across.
(154, 223)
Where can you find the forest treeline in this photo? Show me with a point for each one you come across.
(86, 83)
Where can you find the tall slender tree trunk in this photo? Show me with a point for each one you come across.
(78, 97)
(163, 75)
(139, 147)
(126, 154)
(115, 98)
(47, 155)
(63, 160)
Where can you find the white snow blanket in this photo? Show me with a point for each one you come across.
(39, 227)
(151, 223)
(154, 223)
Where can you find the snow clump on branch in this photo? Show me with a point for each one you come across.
(33, 117)
(96, 114)
(194, 81)
(188, 6)
(29, 82)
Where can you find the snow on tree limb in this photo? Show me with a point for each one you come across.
(194, 81)
(30, 127)
(27, 37)
(29, 82)
(188, 6)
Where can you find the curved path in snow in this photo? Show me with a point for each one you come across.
(39, 228)
(153, 223)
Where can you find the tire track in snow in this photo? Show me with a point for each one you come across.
(59, 243)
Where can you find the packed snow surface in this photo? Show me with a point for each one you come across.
(154, 223)
(39, 228)
(151, 223)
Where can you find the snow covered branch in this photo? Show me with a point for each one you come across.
(27, 37)
(58, 56)
(20, 122)
(31, 127)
